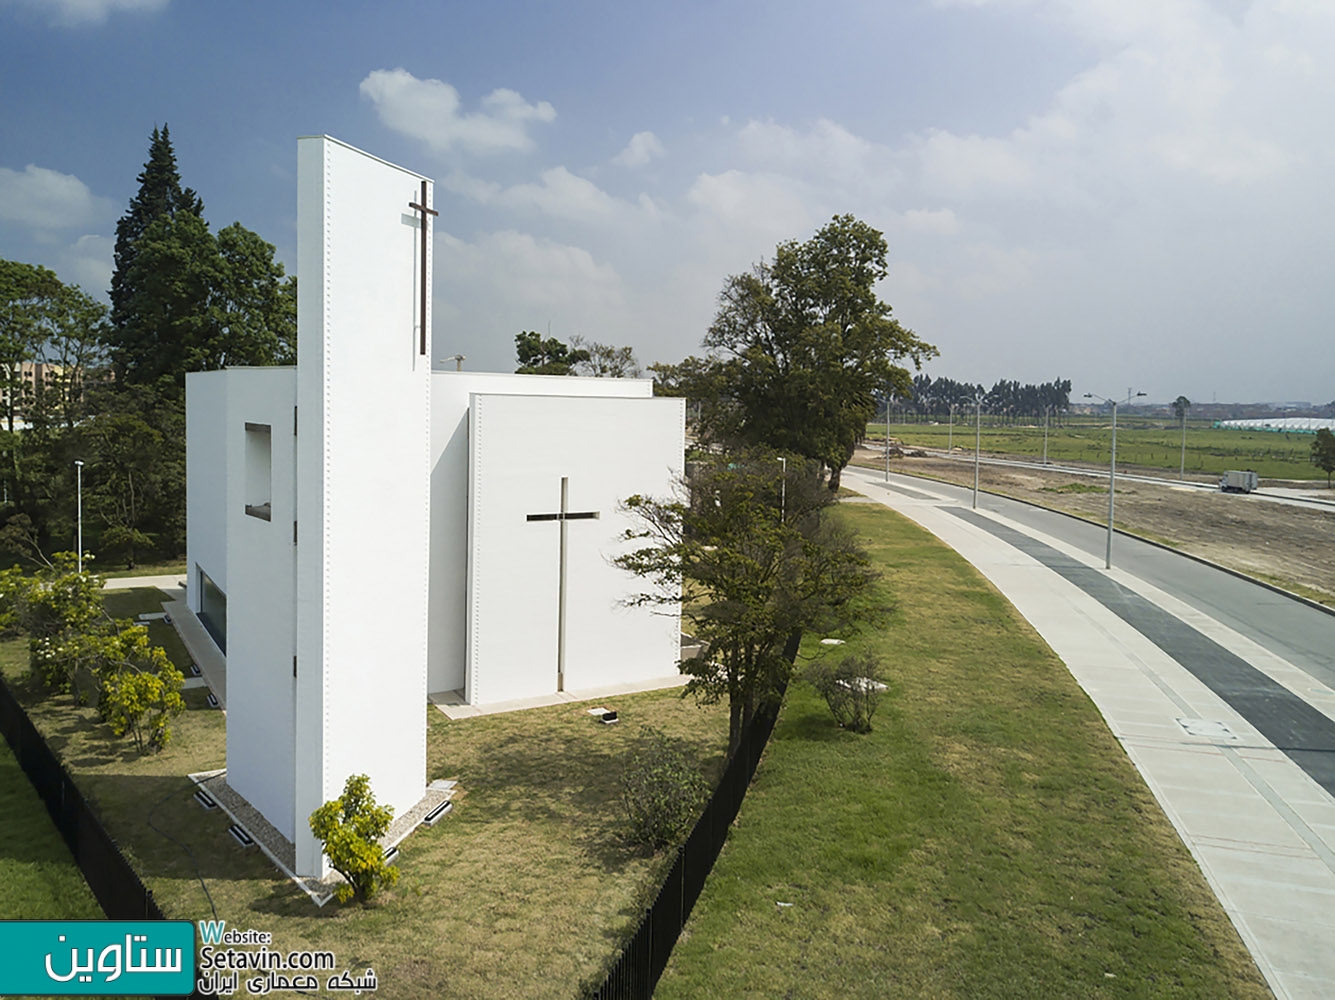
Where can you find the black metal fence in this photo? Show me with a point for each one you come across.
(636, 971)
(118, 889)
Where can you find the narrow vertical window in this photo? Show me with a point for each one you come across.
(259, 471)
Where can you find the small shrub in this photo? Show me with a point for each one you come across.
(350, 827)
(851, 688)
(661, 791)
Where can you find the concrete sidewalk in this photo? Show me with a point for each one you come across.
(1258, 823)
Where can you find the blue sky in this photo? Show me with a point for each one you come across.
(1122, 192)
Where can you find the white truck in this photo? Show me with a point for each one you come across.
(1238, 482)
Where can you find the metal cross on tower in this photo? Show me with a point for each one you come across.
(421, 207)
(563, 515)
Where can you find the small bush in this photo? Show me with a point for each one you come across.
(851, 688)
(350, 827)
(661, 791)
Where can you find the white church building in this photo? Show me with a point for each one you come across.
(365, 531)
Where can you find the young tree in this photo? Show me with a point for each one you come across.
(139, 688)
(754, 566)
(1323, 452)
(546, 356)
(1180, 407)
(350, 827)
(61, 610)
(806, 344)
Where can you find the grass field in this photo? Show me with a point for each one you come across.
(1149, 444)
(38, 877)
(988, 839)
(526, 890)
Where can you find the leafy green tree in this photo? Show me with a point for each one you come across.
(1323, 452)
(1180, 407)
(806, 345)
(254, 304)
(140, 689)
(546, 356)
(604, 360)
(703, 383)
(350, 827)
(160, 195)
(754, 566)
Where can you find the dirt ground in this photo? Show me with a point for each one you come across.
(1293, 547)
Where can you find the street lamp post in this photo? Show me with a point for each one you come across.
(977, 445)
(458, 360)
(783, 491)
(1182, 468)
(1046, 411)
(1112, 470)
(887, 438)
(78, 494)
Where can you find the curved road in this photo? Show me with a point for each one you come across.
(1220, 691)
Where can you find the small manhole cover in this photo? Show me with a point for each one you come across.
(1207, 728)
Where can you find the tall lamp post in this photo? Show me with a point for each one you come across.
(78, 494)
(1046, 411)
(783, 491)
(1112, 469)
(888, 397)
(977, 444)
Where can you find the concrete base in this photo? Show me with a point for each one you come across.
(453, 705)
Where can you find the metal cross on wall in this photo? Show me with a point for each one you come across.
(563, 515)
(425, 212)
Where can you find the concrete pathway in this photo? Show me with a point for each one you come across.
(1235, 742)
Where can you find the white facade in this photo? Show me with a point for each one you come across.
(359, 523)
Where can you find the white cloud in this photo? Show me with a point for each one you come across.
(88, 263)
(429, 110)
(932, 221)
(46, 200)
(643, 147)
(528, 270)
(558, 194)
(753, 201)
(81, 13)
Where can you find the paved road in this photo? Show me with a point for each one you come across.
(1290, 629)
(1281, 496)
(1219, 691)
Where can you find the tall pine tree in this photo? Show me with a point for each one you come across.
(160, 194)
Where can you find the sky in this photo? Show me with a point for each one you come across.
(1132, 194)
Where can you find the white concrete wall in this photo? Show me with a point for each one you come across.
(450, 397)
(206, 481)
(520, 447)
(261, 571)
(363, 450)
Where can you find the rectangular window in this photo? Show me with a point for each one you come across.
(213, 610)
(259, 471)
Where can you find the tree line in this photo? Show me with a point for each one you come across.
(106, 387)
(1007, 399)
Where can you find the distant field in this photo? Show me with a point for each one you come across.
(1148, 443)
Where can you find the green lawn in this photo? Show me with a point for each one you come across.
(1140, 442)
(526, 890)
(38, 877)
(988, 839)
